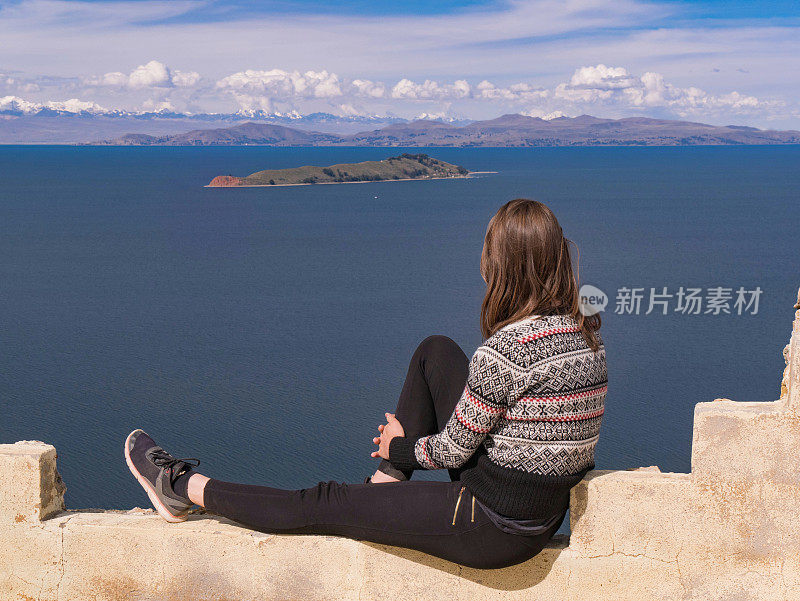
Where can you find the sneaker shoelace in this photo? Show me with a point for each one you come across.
(172, 465)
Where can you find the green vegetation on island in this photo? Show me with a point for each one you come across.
(403, 167)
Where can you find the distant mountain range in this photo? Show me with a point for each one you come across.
(511, 130)
(76, 122)
(28, 123)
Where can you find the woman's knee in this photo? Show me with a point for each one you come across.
(438, 345)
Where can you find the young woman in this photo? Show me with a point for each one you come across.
(516, 425)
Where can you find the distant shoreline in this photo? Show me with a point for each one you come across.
(380, 181)
(403, 147)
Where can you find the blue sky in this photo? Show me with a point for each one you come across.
(695, 9)
(714, 61)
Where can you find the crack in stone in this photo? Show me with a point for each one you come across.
(635, 555)
(61, 566)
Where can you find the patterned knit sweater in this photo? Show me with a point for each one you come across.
(534, 402)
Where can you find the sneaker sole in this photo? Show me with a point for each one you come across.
(162, 509)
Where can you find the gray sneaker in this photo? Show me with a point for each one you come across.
(156, 470)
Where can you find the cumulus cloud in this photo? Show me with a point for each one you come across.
(601, 77)
(155, 106)
(153, 74)
(516, 92)
(370, 89)
(280, 84)
(185, 79)
(430, 90)
(348, 110)
(18, 85)
(599, 89)
(115, 78)
(251, 104)
(460, 89)
(614, 86)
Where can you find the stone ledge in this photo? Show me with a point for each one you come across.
(636, 535)
(136, 555)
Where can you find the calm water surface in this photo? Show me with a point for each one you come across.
(267, 330)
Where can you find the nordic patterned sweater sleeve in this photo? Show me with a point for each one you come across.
(494, 381)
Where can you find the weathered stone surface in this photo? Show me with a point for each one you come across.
(750, 441)
(631, 513)
(793, 376)
(30, 486)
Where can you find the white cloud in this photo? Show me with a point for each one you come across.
(405, 88)
(370, 89)
(430, 90)
(155, 106)
(185, 79)
(460, 88)
(565, 92)
(280, 84)
(153, 74)
(515, 92)
(17, 85)
(348, 110)
(249, 104)
(600, 77)
(614, 86)
(115, 78)
(600, 89)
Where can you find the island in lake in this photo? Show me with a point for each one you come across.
(403, 167)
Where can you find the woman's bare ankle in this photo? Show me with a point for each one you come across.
(196, 488)
(379, 477)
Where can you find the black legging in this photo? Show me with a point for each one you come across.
(439, 518)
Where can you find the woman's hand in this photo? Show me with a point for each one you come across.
(388, 431)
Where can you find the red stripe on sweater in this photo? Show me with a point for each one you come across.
(480, 404)
(468, 425)
(559, 418)
(424, 442)
(568, 397)
(545, 333)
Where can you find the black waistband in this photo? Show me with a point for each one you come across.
(518, 494)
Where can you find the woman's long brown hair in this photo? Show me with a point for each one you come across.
(528, 270)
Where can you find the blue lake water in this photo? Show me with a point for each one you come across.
(266, 330)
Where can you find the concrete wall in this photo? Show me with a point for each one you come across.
(727, 530)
